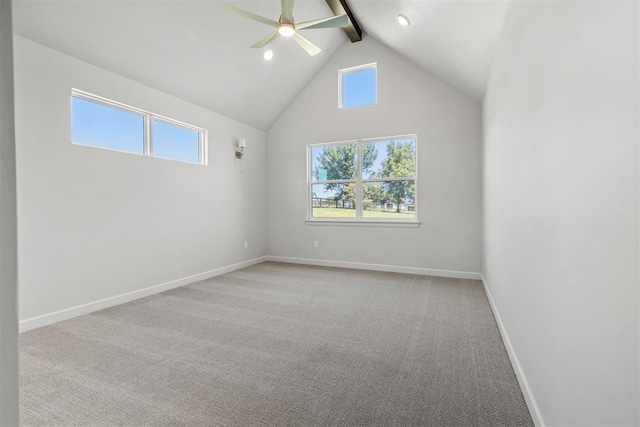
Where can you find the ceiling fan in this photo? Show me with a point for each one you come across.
(286, 27)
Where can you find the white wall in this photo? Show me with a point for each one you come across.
(561, 205)
(94, 223)
(447, 123)
(8, 227)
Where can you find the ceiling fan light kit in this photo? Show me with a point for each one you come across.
(286, 27)
(286, 30)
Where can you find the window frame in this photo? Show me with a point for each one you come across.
(148, 118)
(359, 181)
(343, 71)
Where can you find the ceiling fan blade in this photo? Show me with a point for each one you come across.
(265, 41)
(251, 16)
(287, 10)
(330, 22)
(311, 48)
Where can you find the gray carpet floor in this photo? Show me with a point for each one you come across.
(279, 345)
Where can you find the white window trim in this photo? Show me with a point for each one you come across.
(148, 118)
(359, 220)
(342, 72)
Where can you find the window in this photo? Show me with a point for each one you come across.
(366, 180)
(102, 123)
(108, 127)
(171, 141)
(357, 86)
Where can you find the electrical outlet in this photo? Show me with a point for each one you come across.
(246, 245)
(315, 243)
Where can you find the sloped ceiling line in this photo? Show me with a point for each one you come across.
(196, 51)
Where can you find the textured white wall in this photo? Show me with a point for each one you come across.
(96, 223)
(448, 125)
(561, 205)
(8, 227)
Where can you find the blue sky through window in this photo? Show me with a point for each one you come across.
(316, 154)
(374, 171)
(106, 127)
(359, 88)
(381, 148)
(99, 124)
(175, 142)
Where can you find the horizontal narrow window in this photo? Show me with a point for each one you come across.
(368, 180)
(102, 123)
(175, 142)
(108, 127)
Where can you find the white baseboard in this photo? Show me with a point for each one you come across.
(378, 267)
(515, 362)
(68, 313)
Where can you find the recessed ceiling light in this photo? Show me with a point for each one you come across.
(268, 55)
(403, 20)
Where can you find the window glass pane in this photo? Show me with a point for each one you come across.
(102, 126)
(389, 200)
(175, 142)
(359, 88)
(389, 159)
(334, 162)
(335, 200)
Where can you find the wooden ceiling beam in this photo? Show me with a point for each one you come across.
(353, 30)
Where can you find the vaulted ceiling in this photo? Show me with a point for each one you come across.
(195, 50)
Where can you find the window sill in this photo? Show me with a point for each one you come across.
(363, 223)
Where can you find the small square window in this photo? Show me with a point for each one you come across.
(358, 86)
